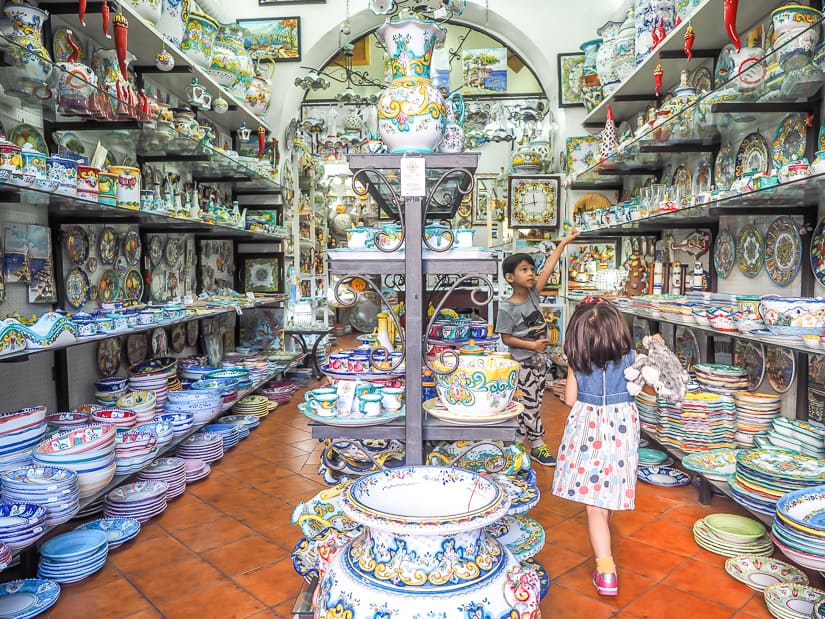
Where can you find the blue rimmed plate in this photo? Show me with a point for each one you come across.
(21, 599)
(118, 530)
(523, 535)
(663, 476)
(783, 250)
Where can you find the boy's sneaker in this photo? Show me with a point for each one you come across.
(542, 455)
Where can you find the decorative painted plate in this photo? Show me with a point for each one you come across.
(131, 247)
(157, 284)
(107, 245)
(178, 336)
(789, 140)
(355, 419)
(69, 143)
(91, 264)
(136, 348)
(133, 285)
(682, 180)
(27, 598)
(121, 266)
(724, 168)
(760, 573)
(117, 530)
(702, 80)
(686, 347)
(77, 245)
(523, 535)
(25, 133)
(783, 250)
(792, 600)
(780, 367)
(61, 48)
(192, 329)
(160, 343)
(724, 253)
(108, 286)
(751, 356)
(173, 252)
(818, 251)
(108, 356)
(155, 250)
(717, 464)
(93, 292)
(665, 476)
(436, 409)
(753, 155)
(749, 246)
(77, 287)
(701, 177)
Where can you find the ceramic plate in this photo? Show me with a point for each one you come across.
(793, 600)
(136, 348)
(131, 247)
(107, 245)
(783, 250)
(436, 409)
(157, 285)
(780, 367)
(69, 143)
(751, 356)
(717, 464)
(27, 598)
(108, 286)
(61, 48)
(789, 140)
(77, 245)
(724, 253)
(682, 179)
(118, 530)
(192, 328)
(752, 156)
(818, 251)
(108, 356)
(702, 80)
(25, 133)
(133, 285)
(749, 247)
(662, 476)
(178, 336)
(523, 535)
(155, 250)
(160, 344)
(173, 252)
(761, 572)
(77, 287)
(701, 177)
(356, 420)
(724, 168)
(686, 348)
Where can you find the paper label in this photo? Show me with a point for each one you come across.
(413, 179)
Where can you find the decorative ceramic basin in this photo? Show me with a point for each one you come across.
(480, 386)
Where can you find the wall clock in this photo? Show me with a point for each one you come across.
(534, 201)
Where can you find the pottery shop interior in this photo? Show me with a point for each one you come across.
(412, 309)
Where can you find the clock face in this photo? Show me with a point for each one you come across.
(534, 202)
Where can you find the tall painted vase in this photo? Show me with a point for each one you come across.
(423, 551)
(32, 64)
(411, 116)
(649, 15)
(172, 21)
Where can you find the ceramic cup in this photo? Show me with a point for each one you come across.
(107, 188)
(369, 404)
(87, 182)
(359, 238)
(324, 401)
(338, 361)
(392, 398)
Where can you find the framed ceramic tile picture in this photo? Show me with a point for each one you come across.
(262, 272)
(570, 71)
(277, 37)
(534, 201)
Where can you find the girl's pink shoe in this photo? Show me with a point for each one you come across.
(606, 584)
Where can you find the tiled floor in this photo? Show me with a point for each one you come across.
(222, 549)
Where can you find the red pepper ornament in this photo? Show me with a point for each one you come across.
(81, 12)
(658, 72)
(690, 37)
(261, 141)
(731, 7)
(72, 58)
(121, 32)
(104, 12)
(657, 38)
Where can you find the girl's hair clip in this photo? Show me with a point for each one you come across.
(588, 300)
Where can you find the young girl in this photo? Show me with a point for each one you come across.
(598, 456)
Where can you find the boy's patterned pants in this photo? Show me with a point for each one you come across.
(531, 379)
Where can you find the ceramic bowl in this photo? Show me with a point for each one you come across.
(721, 318)
(95, 436)
(811, 341)
(793, 315)
(479, 387)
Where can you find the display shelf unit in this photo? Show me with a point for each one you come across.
(432, 430)
(711, 36)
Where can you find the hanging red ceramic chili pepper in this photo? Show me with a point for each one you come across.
(658, 72)
(261, 141)
(81, 12)
(104, 12)
(690, 37)
(661, 32)
(655, 34)
(731, 7)
(121, 32)
(75, 49)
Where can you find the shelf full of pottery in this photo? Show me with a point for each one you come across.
(165, 39)
(651, 45)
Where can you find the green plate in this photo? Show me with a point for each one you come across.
(733, 528)
(651, 455)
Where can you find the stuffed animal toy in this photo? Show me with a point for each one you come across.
(660, 369)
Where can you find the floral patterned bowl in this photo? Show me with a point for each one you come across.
(793, 315)
(480, 386)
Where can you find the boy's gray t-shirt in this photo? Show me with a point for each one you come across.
(522, 320)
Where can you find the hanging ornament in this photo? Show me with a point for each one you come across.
(658, 72)
(121, 31)
(661, 33)
(609, 143)
(731, 7)
(81, 12)
(261, 141)
(73, 56)
(104, 12)
(690, 37)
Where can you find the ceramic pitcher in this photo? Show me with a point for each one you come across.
(259, 92)
(199, 38)
(172, 22)
(453, 141)
(32, 63)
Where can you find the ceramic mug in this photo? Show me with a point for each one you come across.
(107, 188)
(392, 398)
(369, 404)
(324, 401)
(87, 182)
(339, 361)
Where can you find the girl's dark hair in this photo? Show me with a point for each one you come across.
(597, 334)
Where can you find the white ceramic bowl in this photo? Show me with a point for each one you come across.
(793, 315)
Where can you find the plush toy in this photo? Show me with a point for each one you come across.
(660, 369)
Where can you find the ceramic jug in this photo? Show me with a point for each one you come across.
(32, 64)
(76, 82)
(173, 18)
(233, 66)
(453, 141)
(624, 62)
(606, 57)
(259, 92)
(650, 15)
(411, 114)
(122, 96)
(591, 87)
(796, 28)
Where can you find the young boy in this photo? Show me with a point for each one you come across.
(521, 325)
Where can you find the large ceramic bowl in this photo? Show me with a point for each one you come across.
(721, 318)
(793, 315)
(90, 438)
(23, 419)
(479, 387)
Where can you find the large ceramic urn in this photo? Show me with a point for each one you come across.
(32, 64)
(423, 551)
(411, 116)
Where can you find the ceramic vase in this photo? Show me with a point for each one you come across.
(127, 187)
(625, 47)
(796, 28)
(649, 15)
(589, 83)
(411, 116)
(32, 65)
(122, 96)
(606, 57)
(259, 91)
(172, 22)
(76, 83)
(423, 551)
(199, 39)
(453, 140)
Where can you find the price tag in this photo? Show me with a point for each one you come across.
(413, 180)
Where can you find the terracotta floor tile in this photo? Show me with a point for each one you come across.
(149, 553)
(209, 535)
(223, 601)
(756, 607)
(186, 514)
(687, 514)
(669, 536)
(625, 522)
(695, 577)
(580, 578)
(262, 519)
(116, 599)
(644, 559)
(148, 613)
(557, 560)
(711, 558)
(244, 555)
(564, 603)
(308, 444)
(559, 506)
(257, 473)
(666, 602)
(570, 534)
(285, 536)
(284, 609)
(272, 584)
(167, 582)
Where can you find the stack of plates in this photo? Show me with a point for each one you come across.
(255, 405)
(279, 391)
(24, 599)
(653, 457)
(245, 423)
(140, 500)
(716, 464)
(730, 535)
(163, 430)
(648, 412)
(133, 450)
(120, 418)
(792, 600)
(799, 526)
(170, 470)
(665, 476)
(805, 437)
(240, 375)
(225, 388)
(203, 446)
(52, 487)
(142, 403)
(88, 450)
(181, 422)
(763, 476)
(5, 556)
(110, 389)
(759, 573)
(704, 421)
(19, 432)
(118, 530)
(21, 524)
(196, 469)
(723, 379)
(754, 413)
(193, 372)
(154, 375)
(64, 421)
(73, 556)
(92, 508)
(227, 431)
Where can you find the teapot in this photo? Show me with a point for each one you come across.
(259, 91)
(75, 83)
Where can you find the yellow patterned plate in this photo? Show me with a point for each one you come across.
(435, 408)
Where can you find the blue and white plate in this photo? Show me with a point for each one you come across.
(21, 599)
(663, 476)
(74, 545)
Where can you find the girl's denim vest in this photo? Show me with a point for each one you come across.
(607, 386)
